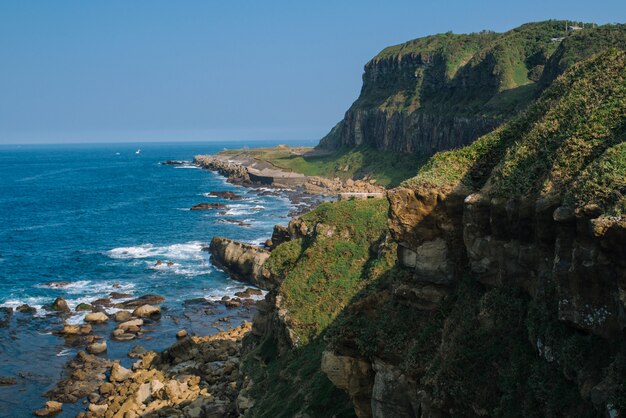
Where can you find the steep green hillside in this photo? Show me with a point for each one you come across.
(568, 143)
(443, 91)
(343, 253)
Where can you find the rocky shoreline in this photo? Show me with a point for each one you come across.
(249, 172)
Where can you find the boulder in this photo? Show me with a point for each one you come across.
(97, 348)
(96, 317)
(83, 307)
(51, 408)
(130, 324)
(181, 334)
(119, 373)
(72, 329)
(147, 311)
(59, 305)
(98, 409)
(26, 309)
(122, 316)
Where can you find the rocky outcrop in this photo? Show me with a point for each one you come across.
(236, 173)
(570, 262)
(243, 262)
(195, 377)
(407, 132)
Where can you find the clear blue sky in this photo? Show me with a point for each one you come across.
(81, 71)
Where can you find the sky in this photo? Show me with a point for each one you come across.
(128, 71)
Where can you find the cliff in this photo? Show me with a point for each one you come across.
(493, 286)
(512, 299)
(443, 91)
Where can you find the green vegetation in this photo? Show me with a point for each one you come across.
(573, 131)
(321, 274)
(603, 182)
(291, 384)
(386, 167)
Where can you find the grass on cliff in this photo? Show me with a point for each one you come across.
(321, 275)
(568, 133)
(386, 167)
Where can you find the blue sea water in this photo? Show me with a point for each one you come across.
(99, 217)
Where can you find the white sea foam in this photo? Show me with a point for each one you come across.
(188, 166)
(187, 251)
(65, 352)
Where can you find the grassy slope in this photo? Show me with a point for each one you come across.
(321, 275)
(554, 145)
(388, 168)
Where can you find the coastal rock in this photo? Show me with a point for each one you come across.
(129, 325)
(147, 311)
(118, 295)
(96, 317)
(236, 173)
(7, 381)
(181, 334)
(83, 375)
(73, 329)
(97, 348)
(149, 299)
(51, 408)
(83, 307)
(208, 206)
(243, 262)
(353, 375)
(119, 373)
(195, 377)
(5, 316)
(26, 309)
(59, 305)
(122, 316)
(226, 195)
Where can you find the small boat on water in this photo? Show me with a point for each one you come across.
(138, 151)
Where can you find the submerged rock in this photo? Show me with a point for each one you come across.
(7, 381)
(5, 316)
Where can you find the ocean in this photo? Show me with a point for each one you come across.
(82, 221)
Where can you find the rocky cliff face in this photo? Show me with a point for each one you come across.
(512, 271)
(442, 92)
(243, 262)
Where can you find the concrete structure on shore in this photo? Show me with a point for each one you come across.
(360, 195)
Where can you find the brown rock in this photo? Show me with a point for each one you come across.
(51, 408)
(181, 334)
(97, 348)
(96, 317)
(147, 311)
